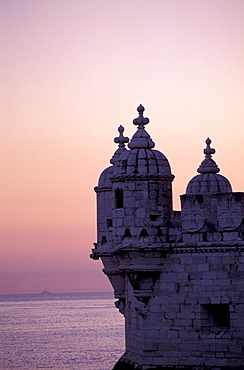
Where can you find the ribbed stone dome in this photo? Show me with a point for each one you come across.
(141, 159)
(142, 162)
(208, 182)
(105, 178)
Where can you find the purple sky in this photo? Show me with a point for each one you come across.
(72, 72)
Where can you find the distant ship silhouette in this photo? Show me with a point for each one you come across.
(45, 292)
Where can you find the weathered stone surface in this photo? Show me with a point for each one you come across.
(178, 276)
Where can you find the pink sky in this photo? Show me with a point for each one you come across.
(72, 71)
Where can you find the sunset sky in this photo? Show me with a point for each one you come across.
(72, 71)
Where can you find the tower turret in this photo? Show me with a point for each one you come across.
(105, 222)
(210, 211)
(177, 275)
(105, 194)
(208, 182)
(142, 190)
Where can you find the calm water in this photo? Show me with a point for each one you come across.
(60, 331)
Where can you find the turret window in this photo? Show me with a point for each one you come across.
(119, 198)
(109, 223)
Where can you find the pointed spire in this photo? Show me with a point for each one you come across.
(121, 140)
(208, 165)
(141, 139)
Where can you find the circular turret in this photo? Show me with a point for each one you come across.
(141, 159)
(105, 177)
(142, 189)
(209, 181)
(105, 193)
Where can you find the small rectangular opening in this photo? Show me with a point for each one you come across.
(153, 217)
(119, 198)
(109, 223)
(215, 316)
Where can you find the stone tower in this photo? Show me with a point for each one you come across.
(178, 276)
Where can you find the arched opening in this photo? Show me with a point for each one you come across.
(127, 233)
(143, 233)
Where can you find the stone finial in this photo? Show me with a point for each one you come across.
(208, 165)
(208, 151)
(141, 139)
(121, 140)
(141, 121)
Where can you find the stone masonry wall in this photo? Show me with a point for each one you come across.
(195, 316)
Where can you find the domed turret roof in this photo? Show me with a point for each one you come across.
(141, 159)
(105, 177)
(208, 182)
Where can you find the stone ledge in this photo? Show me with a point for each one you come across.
(174, 248)
(127, 365)
(130, 361)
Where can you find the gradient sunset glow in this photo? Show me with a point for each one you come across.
(72, 71)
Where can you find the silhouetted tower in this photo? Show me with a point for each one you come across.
(178, 276)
